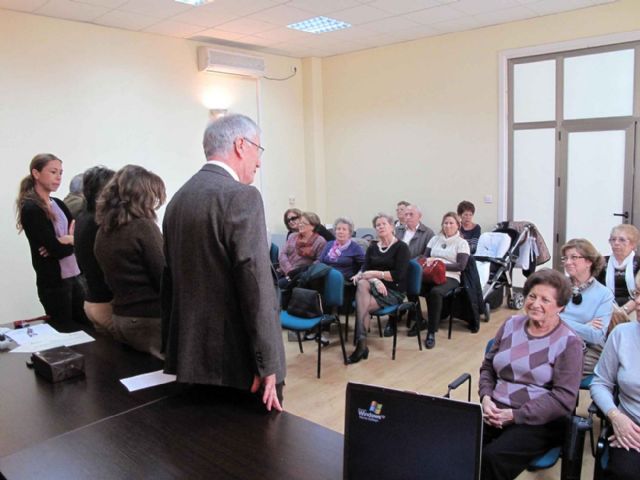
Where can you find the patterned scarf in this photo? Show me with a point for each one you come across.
(336, 250)
(304, 248)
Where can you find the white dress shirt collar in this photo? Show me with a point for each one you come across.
(226, 167)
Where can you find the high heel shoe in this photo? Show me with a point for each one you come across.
(358, 354)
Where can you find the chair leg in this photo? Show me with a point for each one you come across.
(450, 324)
(299, 341)
(344, 351)
(319, 340)
(419, 321)
(346, 325)
(396, 321)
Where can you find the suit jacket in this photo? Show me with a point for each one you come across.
(219, 304)
(418, 244)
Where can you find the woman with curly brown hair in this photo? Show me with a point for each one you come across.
(128, 247)
(49, 226)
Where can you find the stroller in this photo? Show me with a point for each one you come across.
(511, 245)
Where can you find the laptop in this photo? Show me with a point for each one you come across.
(393, 434)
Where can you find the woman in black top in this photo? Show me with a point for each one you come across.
(382, 281)
(97, 303)
(468, 230)
(49, 227)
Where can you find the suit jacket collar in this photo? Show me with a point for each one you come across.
(221, 168)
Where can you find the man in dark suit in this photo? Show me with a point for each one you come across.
(220, 315)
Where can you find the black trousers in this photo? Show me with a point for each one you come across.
(64, 303)
(506, 452)
(435, 296)
(623, 465)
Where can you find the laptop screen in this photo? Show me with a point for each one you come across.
(393, 434)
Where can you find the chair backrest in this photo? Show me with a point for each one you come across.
(414, 278)
(274, 251)
(333, 289)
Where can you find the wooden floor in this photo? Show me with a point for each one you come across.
(428, 371)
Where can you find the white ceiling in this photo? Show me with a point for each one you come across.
(260, 25)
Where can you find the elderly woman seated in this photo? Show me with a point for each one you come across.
(622, 266)
(301, 249)
(529, 379)
(589, 311)
(451, 249)
(343, 254)
(618, 368)
(382, 281)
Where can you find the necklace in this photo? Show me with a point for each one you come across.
(384, 249)
(576, 291)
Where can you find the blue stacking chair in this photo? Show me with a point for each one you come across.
(414, 284)
(331, 299)
(274, 252)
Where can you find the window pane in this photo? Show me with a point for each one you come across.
(593, 198)
(599, 85)
(533, 179)
(534, 91)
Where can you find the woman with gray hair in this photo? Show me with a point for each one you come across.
(382, 281)
(343, 254)
(622, 266)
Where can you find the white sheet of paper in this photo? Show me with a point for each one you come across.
(32, 334)
(45, 342)
(147, 380)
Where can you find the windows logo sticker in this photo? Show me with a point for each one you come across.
(375, 407)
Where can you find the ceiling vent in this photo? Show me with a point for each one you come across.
(213, 60)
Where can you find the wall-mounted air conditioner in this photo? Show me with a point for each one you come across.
(213, 60)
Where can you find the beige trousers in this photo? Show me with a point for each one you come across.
(100, 315)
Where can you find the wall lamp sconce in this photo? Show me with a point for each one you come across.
(216, 113)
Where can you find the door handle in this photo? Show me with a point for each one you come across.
(624, 215)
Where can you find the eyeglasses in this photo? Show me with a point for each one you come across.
(573, 258)
(259, 147)
(618, 239)
(304, 224)
(293, 219)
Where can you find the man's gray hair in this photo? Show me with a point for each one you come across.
(75, 186)
(415, 207)
(347, 222)
(221, 133)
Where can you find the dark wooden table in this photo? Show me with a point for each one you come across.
(33, 410)
(94, 428)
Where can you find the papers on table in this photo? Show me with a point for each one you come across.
(42, 337)
(147, 380)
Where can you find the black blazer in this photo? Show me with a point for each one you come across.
(40, 233)
(219, 305)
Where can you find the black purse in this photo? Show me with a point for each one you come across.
(305, 303)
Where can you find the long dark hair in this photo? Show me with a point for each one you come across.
(93, 181)
(133, 192)
(27, 189)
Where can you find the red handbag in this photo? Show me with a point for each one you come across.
(433, 274)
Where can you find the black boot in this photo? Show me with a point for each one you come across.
(361, 351)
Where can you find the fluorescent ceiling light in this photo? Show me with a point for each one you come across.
(195, 3)
(319, 25)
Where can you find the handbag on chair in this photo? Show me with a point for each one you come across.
(305, 303)
(433, 274)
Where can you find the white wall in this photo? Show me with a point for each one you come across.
(419, 120)
(95, 95)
